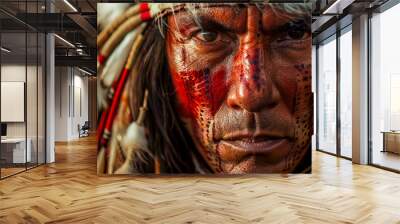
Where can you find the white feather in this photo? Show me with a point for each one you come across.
(107, 12)
(133, 142)
(117, 60)
(134, 137)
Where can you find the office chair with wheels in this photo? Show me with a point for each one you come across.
(84, 130)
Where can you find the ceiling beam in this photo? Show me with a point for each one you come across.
(81, 61)
(86, 26)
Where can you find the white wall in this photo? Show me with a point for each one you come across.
(16, 73)
(12, 73)
(61, 114)
(80, 85)
(71, 94)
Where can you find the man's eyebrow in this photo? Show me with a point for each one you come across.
(286, 21)
(204, 20)
(210, 22)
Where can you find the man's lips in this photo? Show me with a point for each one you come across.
(256, 135)
(251, 145)
(271, 147)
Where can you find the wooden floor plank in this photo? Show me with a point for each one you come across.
(69, 191)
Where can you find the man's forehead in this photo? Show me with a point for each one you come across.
(294, 9)
(234, 16)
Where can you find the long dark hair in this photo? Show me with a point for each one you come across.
(167, 137)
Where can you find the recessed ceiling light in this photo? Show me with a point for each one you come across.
(5, 50)
(70, 5)
(337, 7)
(64, 40)
(84, 71)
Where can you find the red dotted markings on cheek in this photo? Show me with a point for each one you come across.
(305, 73)
(200, 95)
(304, 69)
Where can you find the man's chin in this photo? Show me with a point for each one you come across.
(252, 164)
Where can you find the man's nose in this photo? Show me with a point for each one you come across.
(252, 88)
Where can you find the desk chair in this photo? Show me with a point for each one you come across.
(84, 130)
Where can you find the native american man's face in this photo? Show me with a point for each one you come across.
(242, 80)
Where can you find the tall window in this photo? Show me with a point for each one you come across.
(346, 92)
(385, 87)
(327, 95)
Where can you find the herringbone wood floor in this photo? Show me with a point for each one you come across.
(70, 192)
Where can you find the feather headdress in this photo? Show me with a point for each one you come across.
(122, 27)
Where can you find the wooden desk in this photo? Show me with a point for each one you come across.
(391, 141)
(13, 150)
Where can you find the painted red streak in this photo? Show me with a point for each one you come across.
(182, 95)
(200, 91)
(192, 92)
(219, 89)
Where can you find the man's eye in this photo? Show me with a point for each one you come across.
(206, 36)
(296, 31)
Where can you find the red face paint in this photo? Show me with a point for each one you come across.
(200, 92)
(219, 89)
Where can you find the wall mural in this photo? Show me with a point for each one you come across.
(204, 88)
